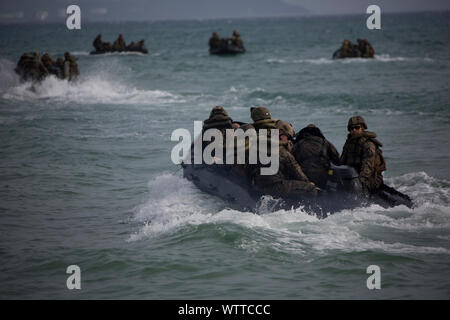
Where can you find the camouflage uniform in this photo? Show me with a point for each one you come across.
(365, 48)
(314, 153)
(289, 181)
(60, 66)
(119, 44)
(214, 41)
(347, 49)
(236, 39)
(71, 71)
(30, 67)
(51, 66)
(218, 119)
(362, 151)
(286, 130)
(23, 64)
(98, 44)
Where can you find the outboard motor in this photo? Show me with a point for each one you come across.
(343, 179)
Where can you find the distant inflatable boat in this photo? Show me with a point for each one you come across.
(143, 51)
(226, 50)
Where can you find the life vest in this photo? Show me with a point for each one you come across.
(311, 152)
(352, 154)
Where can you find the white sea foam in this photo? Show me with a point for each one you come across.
(175, 203)
(94, 88)
(310, 61)
(87, 53)
(80, 53)
(314, 61)
(320, 61)
(272, 60)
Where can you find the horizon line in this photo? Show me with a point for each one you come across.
(283, 16)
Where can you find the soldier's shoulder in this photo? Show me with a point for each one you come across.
(368, 143)
(284, 151)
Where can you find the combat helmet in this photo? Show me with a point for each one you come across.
(286, 128)
(46, 57)
(259, 113)
(69, 57)
(356, 120)
(218, 110)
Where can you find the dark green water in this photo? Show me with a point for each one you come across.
(86, 176)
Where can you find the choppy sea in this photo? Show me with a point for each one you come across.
(86, 177)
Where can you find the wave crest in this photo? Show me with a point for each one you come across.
(96, 88)
(175, 205)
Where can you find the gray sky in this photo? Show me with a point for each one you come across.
(115, 10)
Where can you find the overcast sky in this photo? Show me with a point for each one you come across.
(125, 10)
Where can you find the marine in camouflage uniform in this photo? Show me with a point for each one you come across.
(119, 44)
(314, 153)
(236, 39)
(347, 49)
(98, 44)
(286, 133)
(60, 66)
(289, 181)
(214, 41)
(362, 151)
(365, 48)
(23, 65)
(51, 65)
(30, 67)
(218, 119)
(71, 71)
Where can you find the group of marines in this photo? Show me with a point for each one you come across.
(216, 42)
(349, 50)
(118, 45)
(305, 157)
(31, 67)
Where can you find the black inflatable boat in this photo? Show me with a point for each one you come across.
(343, 191)
(227, 49)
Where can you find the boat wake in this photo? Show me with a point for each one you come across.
(175, 207)
(92, 88)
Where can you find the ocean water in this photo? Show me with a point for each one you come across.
(86, 177)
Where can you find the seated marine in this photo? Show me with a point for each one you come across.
(362, 151)
(31, 68)
(314, 153)
(214, 41)
(365, 48)
(119, 44)
(23, 65)
(289, 181)
(218, 119)
(71, 71)
(286, 133)
(51, 65)
(98, 44)
(236, 39)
